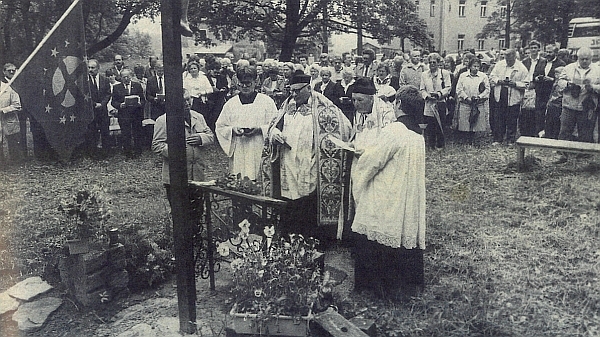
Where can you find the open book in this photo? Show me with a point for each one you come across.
(340, 143)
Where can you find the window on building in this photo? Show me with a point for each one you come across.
(461, 8)
(417, 6)
(481, 44)
(483, 9)
(503, 11)
(202, 34)
(432, 8)
(461, 41)
(501, 44)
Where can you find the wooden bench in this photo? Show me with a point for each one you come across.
(547, 143)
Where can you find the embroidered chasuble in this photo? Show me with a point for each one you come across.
(309, 161)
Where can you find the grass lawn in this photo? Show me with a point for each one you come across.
(509, 253)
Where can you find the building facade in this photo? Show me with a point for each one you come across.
(455, 24)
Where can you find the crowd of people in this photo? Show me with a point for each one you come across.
(341, 139)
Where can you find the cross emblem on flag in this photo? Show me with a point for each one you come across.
(53, 84)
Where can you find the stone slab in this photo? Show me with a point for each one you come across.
(32, 315)
(7, 303)
(29, 288)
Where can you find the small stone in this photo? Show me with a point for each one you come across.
(29, 288)
(7, 303)
(32, 315)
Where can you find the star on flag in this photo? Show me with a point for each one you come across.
(61, 94)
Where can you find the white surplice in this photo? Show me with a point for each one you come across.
(388, 185)
(244, 152)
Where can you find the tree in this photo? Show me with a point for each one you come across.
(285, 21)
(24, 23)
(544, 20)
(134, 45)
(280, 21)
(107, 20)
(382, 20)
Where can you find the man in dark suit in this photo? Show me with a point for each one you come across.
(531, 122)
(100, 92)
(150, 69)
(155, 91)
(155, 95)
(328, 88)
(118, 66)
(130, 113)
(543, 86)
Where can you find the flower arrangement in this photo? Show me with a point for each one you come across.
(273, 278)
(235, 182)
(86, 214)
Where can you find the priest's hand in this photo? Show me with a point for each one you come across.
(250, 131)
(237, 131)
(276, 136)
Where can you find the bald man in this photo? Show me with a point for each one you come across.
(580, 99)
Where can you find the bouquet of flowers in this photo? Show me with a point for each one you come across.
(86, 213)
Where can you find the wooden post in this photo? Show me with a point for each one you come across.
(180, 203)
(520, 157)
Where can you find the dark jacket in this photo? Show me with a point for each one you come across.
(157, 107)
(118, 97)
(333, 91)
(100, 94)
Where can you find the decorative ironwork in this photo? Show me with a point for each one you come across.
(224, 210)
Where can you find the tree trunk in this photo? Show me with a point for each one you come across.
(112, 37)
(7, 51)
(290, 34)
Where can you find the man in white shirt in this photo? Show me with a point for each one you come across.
(580, 98)
(508, 80)
(531, 121)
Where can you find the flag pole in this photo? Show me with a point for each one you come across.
(41, 44)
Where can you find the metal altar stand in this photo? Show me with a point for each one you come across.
(229, 208)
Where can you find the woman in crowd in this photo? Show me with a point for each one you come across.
(315, 75)
(388, 185)
(198, 86)
(273, 86)
(450, 65)
(382, 81)
(473, 92)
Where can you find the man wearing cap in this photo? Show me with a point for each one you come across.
(310, 168)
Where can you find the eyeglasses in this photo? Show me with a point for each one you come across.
(246, 84)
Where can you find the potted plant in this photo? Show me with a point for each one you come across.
(85, 215)
(277, 284)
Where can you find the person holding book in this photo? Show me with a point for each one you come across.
(309, 172)
(128, 96)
